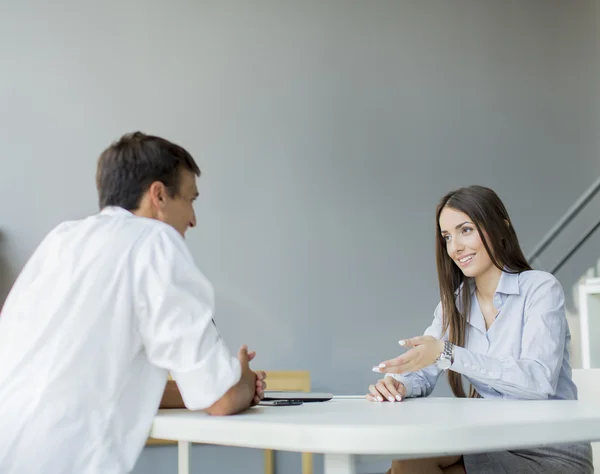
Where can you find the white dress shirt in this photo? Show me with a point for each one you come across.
(525, 352)
(105, 308)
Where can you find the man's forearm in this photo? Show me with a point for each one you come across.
(236, 399)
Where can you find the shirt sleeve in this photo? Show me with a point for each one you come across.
(175, 305)
(534, 375)
(422, 382)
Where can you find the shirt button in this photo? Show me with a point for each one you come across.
(483, 371)
(466, 365)
(474, 367)
(491, 374)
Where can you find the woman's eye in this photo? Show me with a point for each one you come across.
(446, 238)
(466, 230)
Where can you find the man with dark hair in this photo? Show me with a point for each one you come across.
(102, 312)
(139, 163)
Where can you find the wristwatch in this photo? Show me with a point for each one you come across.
(444, 361)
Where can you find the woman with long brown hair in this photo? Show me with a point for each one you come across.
(500, 326)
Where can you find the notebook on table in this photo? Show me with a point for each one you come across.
(293, 395)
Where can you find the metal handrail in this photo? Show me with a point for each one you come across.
(575, 247)
(585, 198)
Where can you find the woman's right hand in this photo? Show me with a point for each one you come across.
(387, 389)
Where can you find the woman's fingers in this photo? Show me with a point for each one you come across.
(375, 395)
(393, 385)
(394, 366)
(387, 389)
(384, 391)
(415, 341)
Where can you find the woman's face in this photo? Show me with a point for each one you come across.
(463, 243)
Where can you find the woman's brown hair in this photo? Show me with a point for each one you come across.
(488, 214)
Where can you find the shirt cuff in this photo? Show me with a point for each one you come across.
(475, 366)
(202, 386)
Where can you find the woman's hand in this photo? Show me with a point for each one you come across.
(425, 351)
(387, 389)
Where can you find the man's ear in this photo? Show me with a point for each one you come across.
(507, 223)
(158, 194)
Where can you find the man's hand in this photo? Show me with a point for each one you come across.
(248, 380)
(247, 392)
(425, 351)
(261, 376)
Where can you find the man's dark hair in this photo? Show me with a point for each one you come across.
(128, 167)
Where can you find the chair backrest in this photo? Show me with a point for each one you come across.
(588, 383)
(296, 380)
(588, 388)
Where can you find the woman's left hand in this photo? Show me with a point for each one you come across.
(425, 351)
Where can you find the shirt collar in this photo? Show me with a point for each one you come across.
(115, 211)
(508, 284)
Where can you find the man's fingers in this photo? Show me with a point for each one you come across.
(261, 375)
(251, 355)
(243, 354)
(260, 381)
(260, 391)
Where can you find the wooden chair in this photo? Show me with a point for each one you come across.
(276, 380)
(288, 380)
(154, 441)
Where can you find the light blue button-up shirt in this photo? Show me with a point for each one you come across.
(525, 352)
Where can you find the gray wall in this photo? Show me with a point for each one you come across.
(326, 132)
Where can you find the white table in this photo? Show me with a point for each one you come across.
(344, 429)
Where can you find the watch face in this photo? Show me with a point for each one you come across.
(444, 363)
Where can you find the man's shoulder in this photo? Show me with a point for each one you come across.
(124, 228)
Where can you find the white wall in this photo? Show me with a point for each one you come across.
(326, 132)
